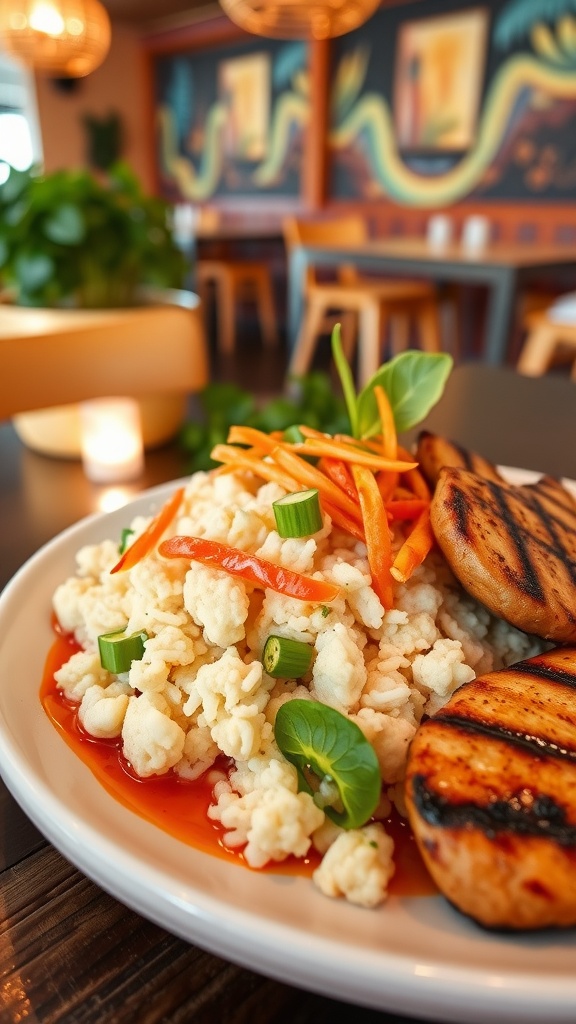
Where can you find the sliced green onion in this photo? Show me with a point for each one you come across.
(293, 434)
(127, 532)
(284, 658)
(298, 514)
(118, 651)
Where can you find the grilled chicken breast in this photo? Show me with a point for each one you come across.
(513, 548)
(491, 794)
(434, 452)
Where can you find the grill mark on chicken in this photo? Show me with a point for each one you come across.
(491, 794)
(461, 508)
(550, 522)
(547, 672)
(512, 547)
(529, 582)
(538, 746)
(542, 817)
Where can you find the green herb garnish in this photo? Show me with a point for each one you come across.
(413, 382)
(335, 762)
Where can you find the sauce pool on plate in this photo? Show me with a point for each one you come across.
(179, 806)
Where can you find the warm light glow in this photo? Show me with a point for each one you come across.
(112, 447)
(44, 17)
(111, 498)
(299, 19)
(69, 38)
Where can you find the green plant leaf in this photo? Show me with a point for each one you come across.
(326, 746)
(413, 381)
(65, 226)
(34, 270)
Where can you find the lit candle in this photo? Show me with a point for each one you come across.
(112, 449)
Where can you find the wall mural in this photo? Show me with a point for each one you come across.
(429, 107)
(231, 120)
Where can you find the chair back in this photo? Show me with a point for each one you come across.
(353, 229)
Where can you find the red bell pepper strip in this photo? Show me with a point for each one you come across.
(146, 541)
(377, 533)
(250, 567)
(406, 508)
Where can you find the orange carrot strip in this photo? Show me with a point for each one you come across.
(414, 478)
(344, 521)
(409, 508)
(387, 484)
(349, 454)
(339, 473)
(252, 437)
(239, 458)
(377, 533)
(310, 476)
(414, 549)
(146, 541)
(389, 437)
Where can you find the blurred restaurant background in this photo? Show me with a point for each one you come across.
(407, 168)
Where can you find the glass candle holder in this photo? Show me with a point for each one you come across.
(112, 447)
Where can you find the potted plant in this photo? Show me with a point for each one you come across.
(70, 239)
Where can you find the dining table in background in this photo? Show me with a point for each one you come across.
(69, 952)
(502, 268)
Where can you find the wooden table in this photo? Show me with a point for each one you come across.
(69, 953)
(500, 268)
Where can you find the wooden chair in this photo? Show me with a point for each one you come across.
(232, 280)
(549, 341)
(366, 307)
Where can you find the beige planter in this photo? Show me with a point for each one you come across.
(54, 359)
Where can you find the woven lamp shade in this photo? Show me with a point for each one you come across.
(67, 38)
(299, 19)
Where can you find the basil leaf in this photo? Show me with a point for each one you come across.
(413, 381)
(326, 746)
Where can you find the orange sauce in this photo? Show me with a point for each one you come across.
(179, 806)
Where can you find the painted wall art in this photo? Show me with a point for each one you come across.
(435, 102)
(231, 120)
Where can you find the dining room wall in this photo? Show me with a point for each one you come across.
(114, 92)
(431, 105)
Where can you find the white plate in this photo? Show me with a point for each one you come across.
(415, 956)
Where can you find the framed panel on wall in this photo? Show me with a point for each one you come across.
(231, 120)
(435, 102)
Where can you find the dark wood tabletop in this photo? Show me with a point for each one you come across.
(68, 951)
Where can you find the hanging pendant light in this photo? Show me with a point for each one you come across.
(299, 19)
(69, 38)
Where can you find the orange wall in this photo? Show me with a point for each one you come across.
(118, 85)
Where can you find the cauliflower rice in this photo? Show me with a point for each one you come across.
(201, 691)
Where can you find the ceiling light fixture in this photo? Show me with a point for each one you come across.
(299, 19)
(58, 37)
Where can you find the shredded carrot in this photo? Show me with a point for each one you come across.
(387, 484)
(377, 533)
(414, 549)
(349, 454)
(252, 437)
(339, 473)
(311, 476)
(389, 438)
(411, 508)
(239, 458)
(146, 540)
(344, 521)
